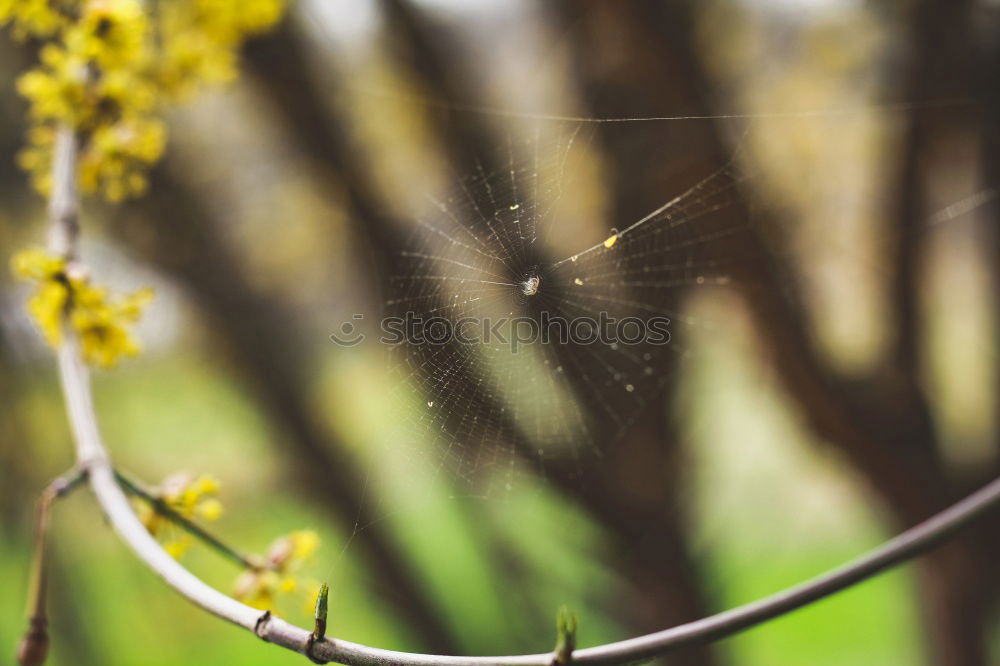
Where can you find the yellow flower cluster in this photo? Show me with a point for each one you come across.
(280, 572)
(103, 325)
(277, 573)
(202, 39)
(32, 17)
(189, 496)
(111, 66)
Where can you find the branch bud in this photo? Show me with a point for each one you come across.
(34, 645)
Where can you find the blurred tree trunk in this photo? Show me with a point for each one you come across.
(882, 423)
(989, 74)
(959, 583)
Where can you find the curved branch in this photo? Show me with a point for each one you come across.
(93, 457)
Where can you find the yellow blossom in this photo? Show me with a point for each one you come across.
(114, 160)
(36, 264)
(110, 34)
(36, 158)
(103, 324)
(280, 573)
(49, 301)
(177, 546)
(187, 495)
(47, 306)
(38, 18)
(190, 497)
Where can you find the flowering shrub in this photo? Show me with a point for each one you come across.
(107, 69)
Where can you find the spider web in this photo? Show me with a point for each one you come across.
(505, 245)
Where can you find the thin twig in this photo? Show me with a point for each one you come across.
(60, 487)
(92, 456)
(160, 506)
(35, 643)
